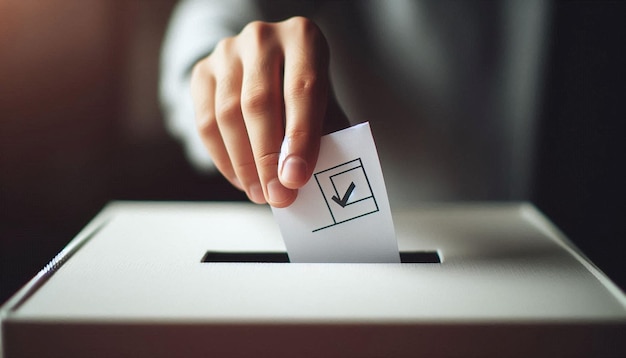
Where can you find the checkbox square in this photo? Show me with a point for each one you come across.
(356, 177)
(346, 191)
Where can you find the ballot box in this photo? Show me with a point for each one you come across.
(148, 279)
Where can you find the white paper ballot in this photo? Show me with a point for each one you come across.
(342, 214)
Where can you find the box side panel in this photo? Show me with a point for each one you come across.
(42, 276)
(145, 265)
(272, 340)
(534, 215)
(52, 267)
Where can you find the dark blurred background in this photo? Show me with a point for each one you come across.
(80, 125)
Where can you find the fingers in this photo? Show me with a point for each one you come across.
(305, 97)
(203, 93)
(228, 111)
(216, 92)
(261, 105)
(260, 100)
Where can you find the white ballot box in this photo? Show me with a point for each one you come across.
(211, 280)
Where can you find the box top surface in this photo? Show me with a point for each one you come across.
(142, 262)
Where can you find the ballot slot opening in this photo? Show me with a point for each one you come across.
(406, 257)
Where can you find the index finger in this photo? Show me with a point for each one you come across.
(261, 105)
(305, 91)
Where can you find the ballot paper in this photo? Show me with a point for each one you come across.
(342, 214)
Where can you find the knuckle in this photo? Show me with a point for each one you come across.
(299, 136)
(302, 25)
(303, 86)
(228, 110)
(224, 46)
(307, 30)
(267, 160)
(199, 69)
(223, 53)
(256, 100)
(207, 125)
(200, 73)
(245, 169)
(257, 31)
(309, 33)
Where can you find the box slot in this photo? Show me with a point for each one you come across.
(413, 257)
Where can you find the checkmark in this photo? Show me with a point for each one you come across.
(344, 201)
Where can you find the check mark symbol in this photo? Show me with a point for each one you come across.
(344, 201)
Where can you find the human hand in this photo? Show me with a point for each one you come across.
(261, 107)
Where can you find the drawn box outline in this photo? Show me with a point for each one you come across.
(366, 180)
(335, 222)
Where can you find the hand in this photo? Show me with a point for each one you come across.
(260, 100)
